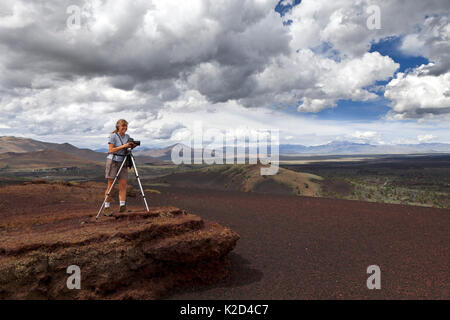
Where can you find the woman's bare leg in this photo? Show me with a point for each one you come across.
(123, 190)
(110, 182)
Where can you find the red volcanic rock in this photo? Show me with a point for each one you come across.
(136, 255)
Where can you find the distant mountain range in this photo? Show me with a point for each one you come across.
(12, 147)
(333, 148)
(350, 148)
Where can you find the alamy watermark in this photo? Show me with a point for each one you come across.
(373, 22)
(77, 16)
(374, 281)
(238, 146)
(73, 21)
(75, 13)
(74, 280)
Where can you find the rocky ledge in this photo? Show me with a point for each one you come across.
(130, 256)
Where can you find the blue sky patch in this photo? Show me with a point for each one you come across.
(282, 9)
(356, 110)
(347, 110)
(391, 47)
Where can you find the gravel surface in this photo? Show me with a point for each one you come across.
(314, 248)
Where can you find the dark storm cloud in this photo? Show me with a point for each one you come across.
(128, 55)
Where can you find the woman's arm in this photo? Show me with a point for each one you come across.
(112, 149)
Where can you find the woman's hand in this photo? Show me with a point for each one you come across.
(128, 145)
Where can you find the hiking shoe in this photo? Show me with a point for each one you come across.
(108, 212)
(123, 208)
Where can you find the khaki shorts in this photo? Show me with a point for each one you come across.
(112, 167)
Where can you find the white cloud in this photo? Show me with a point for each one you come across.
(287, 2)
(15, 15)
(418, 94)
(425, 138)
(364, 135)
(320, 81)
(315, 105)
(343, 23)
(431, 41)
(412, 45)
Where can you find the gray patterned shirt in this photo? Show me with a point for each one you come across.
(115, 141)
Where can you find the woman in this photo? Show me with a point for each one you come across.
(118, 145)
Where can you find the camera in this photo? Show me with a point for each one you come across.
(138, 143)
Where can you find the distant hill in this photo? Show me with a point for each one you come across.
(23, 145)
(42, 159)
(245, 178)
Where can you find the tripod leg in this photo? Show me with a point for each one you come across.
(139, 182)
(112, 186)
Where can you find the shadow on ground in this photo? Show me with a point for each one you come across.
(241, 274)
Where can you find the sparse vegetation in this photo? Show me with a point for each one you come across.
(152, 191)
(420, 181)
(423, 180)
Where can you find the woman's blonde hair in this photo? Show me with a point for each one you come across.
(120, 123)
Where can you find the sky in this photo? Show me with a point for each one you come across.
(316, 70)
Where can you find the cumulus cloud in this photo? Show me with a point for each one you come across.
(424, 92)
(129, 57)
(419, 94)
(412, 45)
(317, 81)
(431, 41)
(142, 58)
(74, 107)
(167, 130)
(341, 25)
(359, 136)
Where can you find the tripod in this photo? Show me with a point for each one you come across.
(129, 156)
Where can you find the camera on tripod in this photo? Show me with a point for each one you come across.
(128, 161)
(136, 142)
